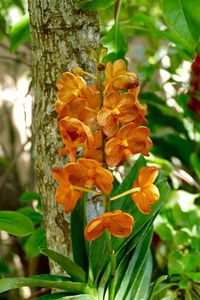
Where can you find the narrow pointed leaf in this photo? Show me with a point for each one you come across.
(15, 223)
(49, 281)
(78, 224)
(65, 296)
(74, 270)
(130, 277)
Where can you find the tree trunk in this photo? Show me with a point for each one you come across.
(61, 36)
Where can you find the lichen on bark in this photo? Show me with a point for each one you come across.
(60, 38)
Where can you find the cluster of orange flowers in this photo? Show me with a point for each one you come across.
(103, 123)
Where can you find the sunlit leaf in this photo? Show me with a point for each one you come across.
(180, 17)
(15, 223)
(50, 281)
(20, 33)
(94, 5)
(74, 270)
(34, 242)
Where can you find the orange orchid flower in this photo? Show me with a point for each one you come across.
(148, 193)
(69, 87)
(118, 108)
(95, 152)
(116, 75)
(130, 137)
(75, 133)
(119, 224)
(84, 106)
(65, 193)
(88, 172)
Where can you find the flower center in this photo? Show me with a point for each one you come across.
(115, 111)
(76, 92)
(107, 222)
(124, 143)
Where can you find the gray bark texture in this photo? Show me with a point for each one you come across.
(60, 37)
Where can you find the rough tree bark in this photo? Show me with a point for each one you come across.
(61, 36)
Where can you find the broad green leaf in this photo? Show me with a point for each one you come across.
(180, 17)
(32, 214)
(74, 270)
(175, 263)
(20, 33)
(94, 5)
(165, 232)
(115, 41)
(64, 296)
(78, 224)
(182, 237)
(195, 276)
(29, 196)
(50, 281)
(35, 242)
(4, 268)
(15, 223)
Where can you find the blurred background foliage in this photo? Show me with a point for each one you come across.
(160, 41)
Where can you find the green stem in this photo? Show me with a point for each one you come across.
(118, 4)
(113, 265)
(87, 246)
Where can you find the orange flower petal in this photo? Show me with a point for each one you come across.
(152, 193)
(77, 174)
(104, 180)
(147, 176)
(121, 225)
(119, 67)
(103, 116)
(67, 197)
(94, 229)
(142, 202)
(111, 100)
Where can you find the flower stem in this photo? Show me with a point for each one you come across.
(136, 189)
(83, 189)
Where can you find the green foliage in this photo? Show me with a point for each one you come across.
(15, 223)
(133, 258)
(94, 5)
(181, 17)
(19, 33)
(75, 271)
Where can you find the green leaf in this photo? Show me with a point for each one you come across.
(50, 281)
(130, 283)
(15, 223)
(180, 17)
(182, 237)
(99, 248)
(139, 288)
(29, 196)
(195, 276)
(35, 242)
(20, 33)
(94, 5)
(165, 231)
(4, 268)
(74, 270)
(115, 41)
(35, 216)
(78, 224)
(175, 263)
(64, 296)
(155, 286)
